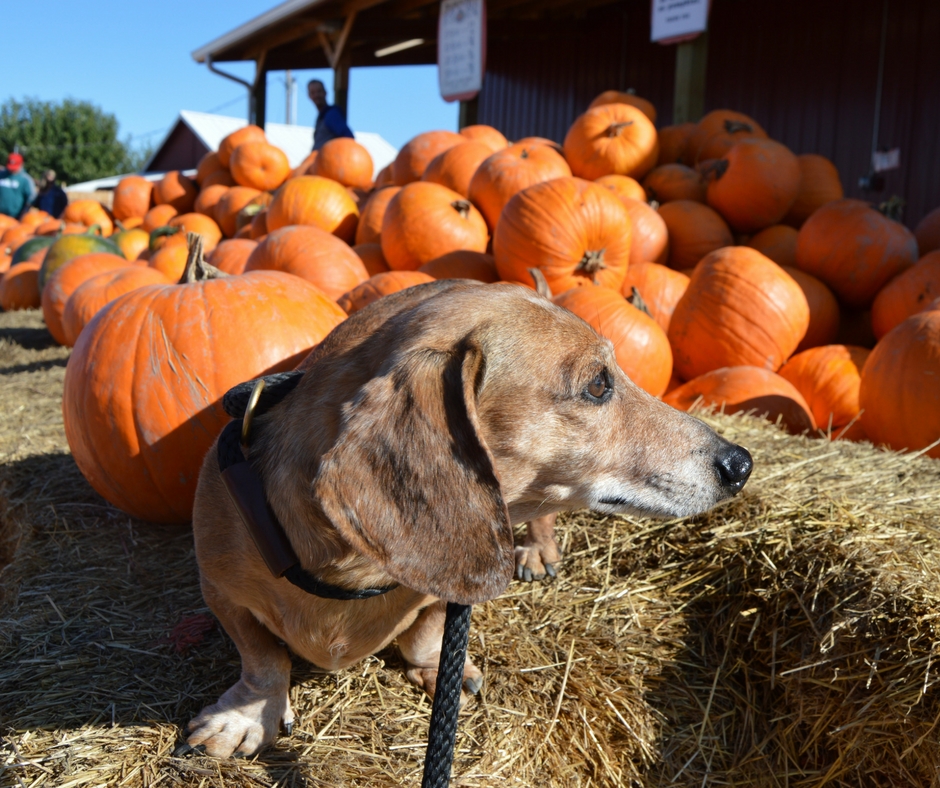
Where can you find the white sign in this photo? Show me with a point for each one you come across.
(884, 160)
(461, 48)
(676, 18)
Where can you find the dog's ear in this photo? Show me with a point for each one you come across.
(411, 484)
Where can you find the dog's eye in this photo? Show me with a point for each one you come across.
(599, 388)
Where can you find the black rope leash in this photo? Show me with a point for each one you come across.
(254, 398)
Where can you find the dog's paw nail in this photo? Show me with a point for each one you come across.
(473, 686)
(289, 728)
(550, 570)
(183, 749)
(520, 572)
(528, 575)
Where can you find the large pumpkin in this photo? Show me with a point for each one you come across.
(454, 168)
(177, 190)
(740, 309)
(412, 160)
(650, 236)
(372, 258)
(139, 431)
(229, 205)
(507, 172)
(158, 216)
(206, 166)
(754, 185)
(819, 184)
(95, 293)
(854, 250)
(695, 230)
(640, 344)
(492, 138)
(715, 134)
(623, 186)
(673, 141)
(208, 198)
(462, 264)
(90, 213)
(778, 242)
(346, 161)
(231, 255)
(250, 133)
(198, 223)
(659, 287)
(825, 316)
(133, 242)
(611, 139)
(745, 389)
(574, 231)
(312, 254)
(425, 220)
(19, 287)
(319, 202)
(910, 292)
(927, 232)
(369, 228)
(259, 165)
(899, 393)
(133, 196)
(379, 285)
(625, 97)
(669, 182)
(828, 377)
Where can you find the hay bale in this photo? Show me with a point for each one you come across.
(786, 638)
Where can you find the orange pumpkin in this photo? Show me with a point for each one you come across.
(669, 182)
(625, 97)
(927, 232)
(133, 196)
(507, 172)
(158, 216)
(369, 228)
(819, 184)
(640, 344)
(177, 190)
(312, 254)
(65, 280)
(208, 198)
(754, 185)
(346, 161)
(623, 186)
(170, 259)
(372, 258)
(89, 213)
(34, 217)
(673, 141)
(306, 166)
(199, 223)
(650, 236)
(139, 432)
(463, 264)
(425, 220)
(744, 389)
(133, 222)
(715, 134)
(487, 135)
(611, 139)
(231, 256)
(206, 166)
(910, 292)
(828, 377)
(259, 165)
(379, 285)
(94, 293)
(19, 287)
(574, 231)
(316, 201)
(454, 168)
(824, 312)
(219, 178)
(899, 395)
(7, 222)
(740, 309)
(384, 177)
(229, 205)
(132, 243)
(659, 287)
(245, 134)
(778, 242)
(412, 160)
(854, 250)
(695, 230)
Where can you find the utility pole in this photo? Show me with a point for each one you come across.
(289, 84)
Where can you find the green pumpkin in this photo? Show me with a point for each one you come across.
(27, 249)
(67, 247)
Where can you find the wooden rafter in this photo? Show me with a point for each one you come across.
(334, 49)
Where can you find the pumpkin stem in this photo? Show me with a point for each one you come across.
(161, 232)
(892, 208)
(735, 126)
(524, 154)
(591, 263)
(197, 269)
(541, 283)
(462, 207)
(715, 170)
(95, 229)
(615, 128)
(637, 300)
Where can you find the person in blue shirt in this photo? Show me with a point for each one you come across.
(51, 198)
(331, 120)
(15, 188)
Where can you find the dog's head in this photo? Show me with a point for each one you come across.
(434, 421)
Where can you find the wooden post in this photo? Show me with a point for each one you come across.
(257, 99)
(689, 96)
(468, 112)
(341, 84)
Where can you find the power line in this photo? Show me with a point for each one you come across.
(226, 104)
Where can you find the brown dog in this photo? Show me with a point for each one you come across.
(424, 427)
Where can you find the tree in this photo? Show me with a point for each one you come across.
(75, 138)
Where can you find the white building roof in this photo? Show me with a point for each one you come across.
(111, 182)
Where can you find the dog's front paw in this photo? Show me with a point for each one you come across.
(534, 562)
(240, 723)
(426, 678)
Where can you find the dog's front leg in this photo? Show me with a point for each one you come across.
(420, 645)
(247, 716)
(539, 552)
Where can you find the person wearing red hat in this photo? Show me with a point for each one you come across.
(15, 187)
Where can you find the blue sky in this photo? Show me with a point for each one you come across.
(133, 60)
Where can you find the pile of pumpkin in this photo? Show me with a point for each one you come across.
(725, 270)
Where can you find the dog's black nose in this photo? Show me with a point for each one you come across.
(734, 467)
